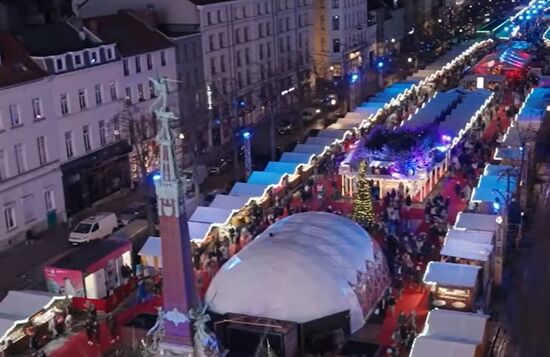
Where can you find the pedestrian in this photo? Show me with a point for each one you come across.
(29, 237)
(89, 328)
(111, 324)
(96, 329)
(391, 304)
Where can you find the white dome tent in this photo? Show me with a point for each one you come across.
(302, 268)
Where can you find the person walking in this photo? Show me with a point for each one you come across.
(111, 325)
(391, 304)
(89, 328)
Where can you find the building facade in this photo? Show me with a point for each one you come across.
(31, 191)
(86, 90)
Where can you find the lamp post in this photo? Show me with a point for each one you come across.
(413, 61)
(247, 136)
(380, 67)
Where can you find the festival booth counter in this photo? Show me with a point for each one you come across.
(94, 273)
(21, 309)
(453, 286)
(452, 333)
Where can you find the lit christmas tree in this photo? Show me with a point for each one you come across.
(363, 209)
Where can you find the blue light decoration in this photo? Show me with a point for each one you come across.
(446, 138)
(354, 78)
(380, 64)
(241, 103)
(496, 206)
(507, 29)
(442, 148)
(246, 135)
(528, 17)
(156, 177)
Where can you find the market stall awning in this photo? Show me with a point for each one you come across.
(492, 187)
(198, 231)
(211, 215)
(289, 168)
(426, 346)
(507, 153)
(533, 108)
(310, 149)
(451, 274)
(265, 178)
(296, 158)
(476, 221)
(315, 140)
(332, 133)
(18, 306)
(492, 170)
(456, 325)
(483, 237)
(467, 250)
(229, 202)
(249, 190)
(152, 248)
(488, 78)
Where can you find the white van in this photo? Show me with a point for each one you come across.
(98, 226)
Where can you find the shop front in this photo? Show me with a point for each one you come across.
(96, 176)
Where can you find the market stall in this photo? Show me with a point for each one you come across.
(22, 309)
(211, 215)
(453, 286)
(250, 191)
(471, 236)
(151, 254)
(229, 202)
(93, 272)
(292, 170)
(448, 327)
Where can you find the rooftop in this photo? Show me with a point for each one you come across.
(178, 30)
(53, 39)
(207, 2)
(131, 35)
(16, 66)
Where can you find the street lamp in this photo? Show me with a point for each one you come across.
(247, 136)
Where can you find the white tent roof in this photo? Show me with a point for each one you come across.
(211, 215)
(426, 346)
(310, 149)
(476, 221)
(298, 158)
(491, 170)
(315, 140)
(265, 178)
(299, 269)
(18, 306)
(460, 275)
(472, 236)
(228, 202)
(331, 133)
(456, 326)
(467, 250)
(198, 231)
(485, 190)
(151, 248)
(249, 190)
(290, 168)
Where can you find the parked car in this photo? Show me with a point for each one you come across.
(284, 127)
(309, 114)
(218, 168)
(98, 226)
(136, 210)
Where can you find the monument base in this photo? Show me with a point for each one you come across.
(174, 349)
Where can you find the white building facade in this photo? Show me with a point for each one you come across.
(31, 191)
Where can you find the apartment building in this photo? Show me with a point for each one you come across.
(253, 52)
(31, 192)
(145, 55)
(86, 90)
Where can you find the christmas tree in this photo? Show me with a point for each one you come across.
(363, 209)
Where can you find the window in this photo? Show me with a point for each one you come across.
(110, 55)
(335, 4)
(59, 64)
(49, 199)
(3, 166)
(98, 94)
(86, 137)
(213, 66)
(238, 35)
(247, 55)
(102, 133)
(288, 27)
(82, 98)
(220, 40)
(211, 42)
(322, 22)
(336, 22)
(261, 29)
(42, 153)
(64, 101)
(152, 93)
(69, 144)
(14, 115)
(149, 59)
(126, 67)
(20, 161)
(9, 217)
(112, 87)
(222, 63)
(94, 57)
(239, 63)
(138, 64)
(209, 17)
(116, 128)
(28, 212)
(37, 108)
(1, 124)
(128, 96)
(163, 58)
(219, 15)
(268, 28)
(141, 95)
(261, 51)
(281, 25)
(336, 45)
